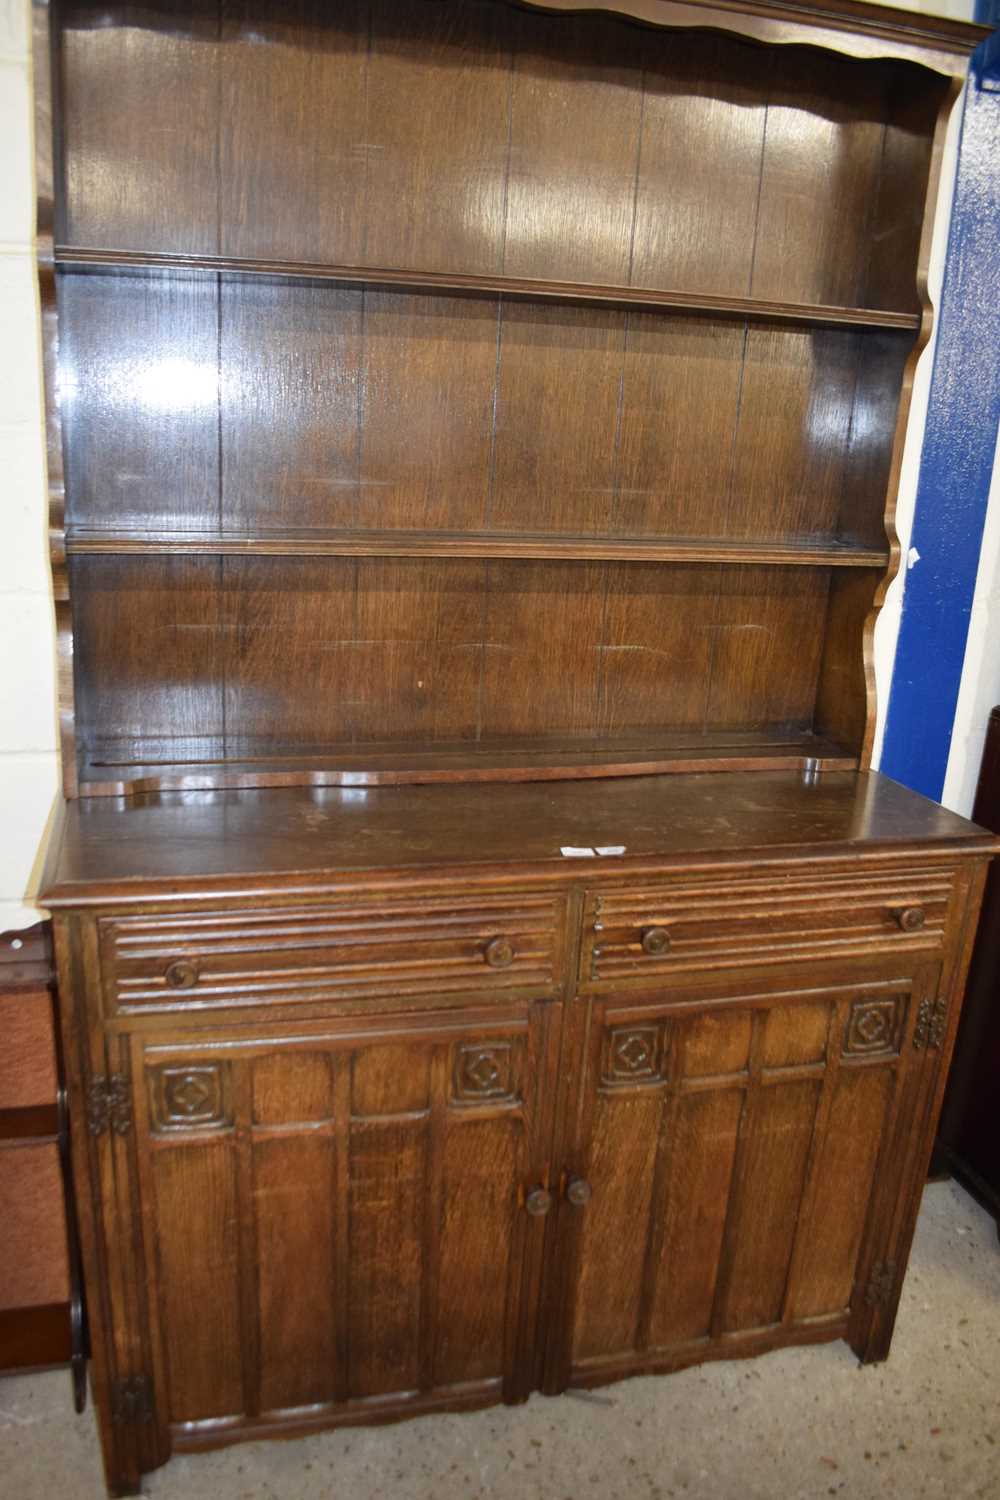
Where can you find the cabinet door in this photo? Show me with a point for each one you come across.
(336, 1223)
(719, 1193)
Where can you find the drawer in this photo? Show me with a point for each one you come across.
(719, 922)
(273, 955)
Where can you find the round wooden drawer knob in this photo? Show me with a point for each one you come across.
(499, 953)
(655, 940)
(911, 918)
(538, 1202)
(182, 974)
(579, 1192)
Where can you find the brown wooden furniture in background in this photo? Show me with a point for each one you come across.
(462, 416)
(968, 1143)
(41, 1301)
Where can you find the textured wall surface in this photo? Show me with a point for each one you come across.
(28, 763)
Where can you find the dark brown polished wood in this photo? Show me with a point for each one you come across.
(845, 25)
(510, 286)
(113, 849)
(472, 544)
(401, 1032)
(297, 357)
(462, 415)
(114, 774)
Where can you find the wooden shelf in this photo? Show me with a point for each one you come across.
(829, 554)
(108, 773)
(650, 299)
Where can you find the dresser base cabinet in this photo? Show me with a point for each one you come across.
(742, 1156)
(383, 1132)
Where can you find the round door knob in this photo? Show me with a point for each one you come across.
(579, 1191)
(655, 940)
(911, 918)
(499, 953)
(538, 1202)
(182, 974)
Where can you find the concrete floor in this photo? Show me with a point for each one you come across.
(789, 1426)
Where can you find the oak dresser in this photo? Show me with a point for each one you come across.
(488, 960)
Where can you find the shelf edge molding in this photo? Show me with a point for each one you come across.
(588, 293)
(471, 545)
(858, 30)
(414, 765)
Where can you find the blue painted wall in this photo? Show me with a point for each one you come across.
(957, 459)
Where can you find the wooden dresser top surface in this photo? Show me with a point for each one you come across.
(186, 842)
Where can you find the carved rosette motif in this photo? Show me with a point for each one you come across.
(191, 1097)
(874, 1026)
(483, 1073)
(633, 1055)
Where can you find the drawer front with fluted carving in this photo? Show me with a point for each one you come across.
(776, 917)
(208, 960)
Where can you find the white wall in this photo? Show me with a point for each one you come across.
(28, 763)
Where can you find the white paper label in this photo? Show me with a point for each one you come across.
(569, 852)
(611, 848)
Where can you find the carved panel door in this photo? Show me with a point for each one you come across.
(337, 1221)
(723, 1187)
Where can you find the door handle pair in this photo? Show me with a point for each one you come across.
(539, 1200)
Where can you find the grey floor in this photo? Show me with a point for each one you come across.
(801, 1423)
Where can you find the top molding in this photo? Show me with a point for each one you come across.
(847, 26)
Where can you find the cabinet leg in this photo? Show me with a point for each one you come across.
(132, 1441)
(874, 1318)
(872, 1347)
(121, 1477)
(125, 1466)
